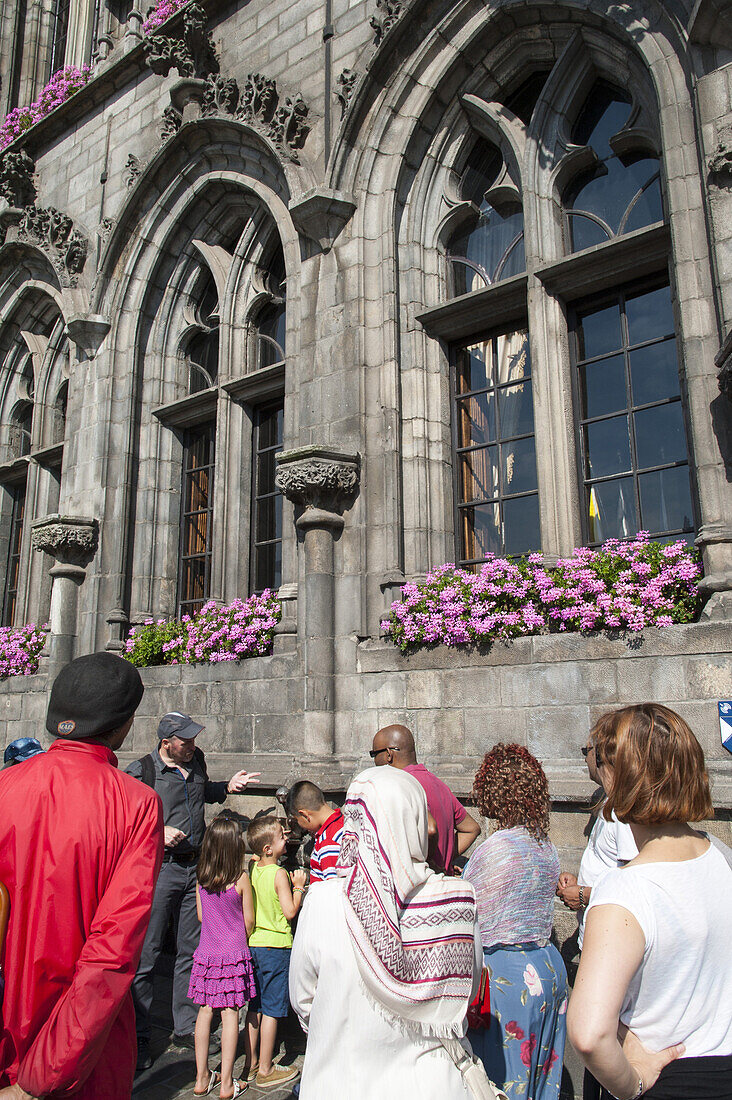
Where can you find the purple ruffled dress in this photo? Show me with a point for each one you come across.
(222, 974)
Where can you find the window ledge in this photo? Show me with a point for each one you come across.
(502, 303)
(605, 265)
(261, 385)
(15, 471)
(189, 410)
(49, 456)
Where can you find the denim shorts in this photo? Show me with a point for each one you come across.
(271, 974)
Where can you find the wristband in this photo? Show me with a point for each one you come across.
(582, 901)
(639, 1091)
(302, 889)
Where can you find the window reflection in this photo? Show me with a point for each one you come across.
(620, 193)
(635, 462)
(496, 484)
(492, 249)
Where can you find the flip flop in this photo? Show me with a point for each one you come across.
(239, 1088)
(214, 1079)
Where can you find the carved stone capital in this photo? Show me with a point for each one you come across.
(71, 540)
(193, 54)
(321, 214)
(318, 478)
(54, 233)
(88, 332)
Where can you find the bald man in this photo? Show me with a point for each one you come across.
(456, 829)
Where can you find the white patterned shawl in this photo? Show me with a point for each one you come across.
(412, 929)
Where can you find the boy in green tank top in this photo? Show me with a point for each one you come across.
(276, 903)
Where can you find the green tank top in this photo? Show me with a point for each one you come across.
(271, 926)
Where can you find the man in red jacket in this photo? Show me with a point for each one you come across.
(80, 849)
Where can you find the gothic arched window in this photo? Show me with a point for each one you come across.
(620, 192)
(493, 247)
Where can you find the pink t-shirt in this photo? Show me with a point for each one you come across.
(444, 807)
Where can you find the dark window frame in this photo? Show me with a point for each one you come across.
(493, 333)
(187, 602)
(618, 295)
(258, 413)
(15, 540)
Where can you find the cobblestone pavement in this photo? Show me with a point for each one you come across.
(173, 1073)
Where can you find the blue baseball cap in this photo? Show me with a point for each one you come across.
(22, 749)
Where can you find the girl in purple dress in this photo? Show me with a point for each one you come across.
(222, 976)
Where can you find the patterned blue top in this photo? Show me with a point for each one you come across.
(515, 879)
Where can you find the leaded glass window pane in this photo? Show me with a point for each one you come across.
(194, 584)
(635, 456)
(267, 499)
(619, 194)
(495, 461)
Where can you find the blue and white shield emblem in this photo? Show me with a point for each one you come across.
(725, 723)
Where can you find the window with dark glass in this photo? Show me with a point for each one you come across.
(633, 443)
(492, 248)
(59, 33)
(267, 500)
(496, 490)
(12, 571)
(619, 193)
(202, 349)
(196, 525)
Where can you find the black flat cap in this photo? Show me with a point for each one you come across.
(93, 695)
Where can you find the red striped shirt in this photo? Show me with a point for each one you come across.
(327, 848)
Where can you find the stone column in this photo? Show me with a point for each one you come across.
(321, 483)
(72, 541)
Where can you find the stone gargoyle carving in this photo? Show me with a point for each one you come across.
(389, 12)
(16, 179)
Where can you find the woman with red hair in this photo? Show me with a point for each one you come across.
(515, 873)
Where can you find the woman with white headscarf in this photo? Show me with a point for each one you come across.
(384, 960)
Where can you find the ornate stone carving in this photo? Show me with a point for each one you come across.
(221, 96)
(54, 232)
(192, 55)
(288, 128)
(283, 123)
(172, 122)
(258, 100)
(723, 361)
(104, 229)
(720, 163)
(72, 540)
(346, 82)
(315, 477)
(16, 179)
(133, 169)
(389, 10)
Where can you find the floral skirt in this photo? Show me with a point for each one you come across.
(219, 983)
(522, 1048)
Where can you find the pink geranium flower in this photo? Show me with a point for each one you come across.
(527, 1049)
(513, 1031)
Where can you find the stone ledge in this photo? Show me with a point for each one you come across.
(684, 640)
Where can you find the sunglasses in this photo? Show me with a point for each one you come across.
(373, 753)
(586, 751)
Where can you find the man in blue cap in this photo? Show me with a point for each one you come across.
(23, 748)
(176, 770)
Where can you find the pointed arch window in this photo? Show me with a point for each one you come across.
(493, 247)
(622, 191)
(202, 349)
(12, 570)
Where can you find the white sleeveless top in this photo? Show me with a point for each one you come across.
(682, 990)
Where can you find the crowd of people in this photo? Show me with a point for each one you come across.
(412, 971)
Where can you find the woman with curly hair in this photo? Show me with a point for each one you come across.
(515, 873)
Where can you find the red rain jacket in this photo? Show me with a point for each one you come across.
(80, 849)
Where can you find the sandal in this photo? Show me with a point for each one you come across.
(214, 1079)
(239, 1087)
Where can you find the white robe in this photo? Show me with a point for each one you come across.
(353, 1053)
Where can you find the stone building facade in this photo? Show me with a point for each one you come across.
(321, 295)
